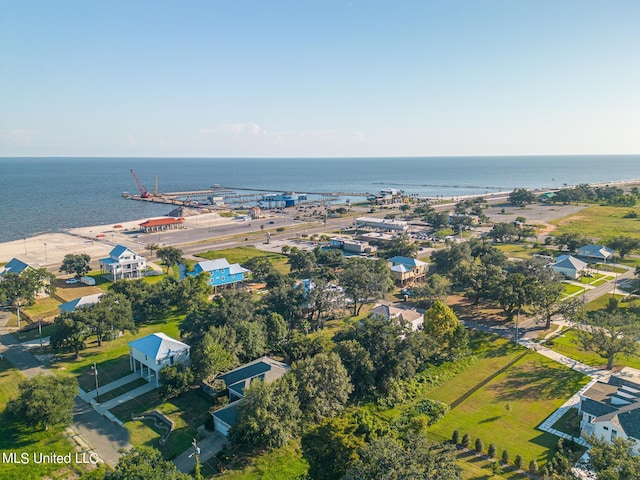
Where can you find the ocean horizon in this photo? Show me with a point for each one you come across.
(52, 194)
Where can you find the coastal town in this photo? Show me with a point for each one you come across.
(225, 339)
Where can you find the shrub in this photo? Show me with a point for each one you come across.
(505, 457)
(466, 441)
(533, 467)
(518, 462)
(492, 450)
(479, 446)
(455, 438)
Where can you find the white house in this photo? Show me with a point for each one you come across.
(87, 300)
(154, 352)
(123, 263)
(595, 253)
(263, 369)
(16, 267)
(407, 316)
(568, 266)
(383, 224)
(610, 410)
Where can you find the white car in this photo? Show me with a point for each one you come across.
(72, 281)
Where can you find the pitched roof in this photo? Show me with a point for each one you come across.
(211, 265)
(228, 414)
(569, 262)
(82, 301)
(235, 268)
(400, 268)
(158, 222)
(596, 409)
(599, 250)
(411, 262)
(630, 421)
(118, 250)
(266, 368)
(15, 266)
(158, 345)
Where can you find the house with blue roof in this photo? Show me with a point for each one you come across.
(595, 253)
(264, 369)
(568, 266)
(123, 263)
(406, 270)
(221, 272)
(154, 352)
(16, 267)
(86, 301)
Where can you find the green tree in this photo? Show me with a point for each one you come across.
(209, 358)
(613, 461)
(572, 241)
(44, 401)
(331, 448)
(76, 264)
(364, 280)
(518, 462)
(152, 247)
(192, 293)
(466, 441)
(145, 463)
(399, 246)
(110, 315)
(624, 245)
(443, 327)
(24, 287)
(446, 259)
(609, 334)
(503, 232)
(302, 260)
(269, 416)
(491, 452)
(404, 208)
(276, 328)
(170, 256)
(393, 459)
(547, 294)
(514, 293)
(174, 380)
(71, 332)
(479, 446)
(505, 457)
(357, 360)
(533, 467)
(436, 287)
(521, 196)
(323, 385)
(260, 267)
(479, 280)
(455, 438)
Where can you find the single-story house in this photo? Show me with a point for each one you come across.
(568, 266)
(352, 246)
(161, 224)
(610, 410)
(123, 263)
(263, 369)
(86, 301)
(407, 270)
(595, 253)
(407, 316)
(155, 352)
(221, 272)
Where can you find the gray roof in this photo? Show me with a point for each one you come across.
(265, 368)
(569, 262)
(87, 300)
(630, 421)
(596, 409)
(228, 414)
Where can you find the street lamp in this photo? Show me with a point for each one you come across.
(46, 258)
(40, 329)
(95, 372)
(25, 244)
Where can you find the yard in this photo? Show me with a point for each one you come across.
(283, 463)
(572, 290)
(518, 250)
(567, 345)
(599, 223)
(242, 254)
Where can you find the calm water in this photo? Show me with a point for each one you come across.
(52, 194)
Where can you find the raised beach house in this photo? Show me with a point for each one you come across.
(152, 353)
(406, 270)
(123, 263)
(221, 272)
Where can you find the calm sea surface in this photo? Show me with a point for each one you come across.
(53, 194)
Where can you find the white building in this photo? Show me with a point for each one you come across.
(568, 266)
(404, 316)
(384, 224)
(123, 263)
(148, 355)
(611, 410)
(86, 301)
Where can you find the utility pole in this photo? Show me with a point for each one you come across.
(40, 329)
(95, 372)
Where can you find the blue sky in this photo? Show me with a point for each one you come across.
(319, 78)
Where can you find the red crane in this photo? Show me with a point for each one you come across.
(144, 193)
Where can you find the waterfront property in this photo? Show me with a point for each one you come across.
(610, 410)
(86, 301)
(123, 263)
(263, 369)
(154, 352)
(595, 253)
(161, 224)
(383, 224)
(221, 272)
(407, 270)
(16, 267)
(568, 266)
(404, 316)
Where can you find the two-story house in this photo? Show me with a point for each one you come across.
(406, 270)
(221, 272)
(123, 263)
(148, 355)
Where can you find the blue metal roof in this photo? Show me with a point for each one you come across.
(117, 251)
(158, 345)
(14, 266)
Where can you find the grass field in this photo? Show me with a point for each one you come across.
(44, 307)
(18, 438)
(520, 250)
(599, 223)
(570, 289)
(188, 411)
(566, 344)
(284, 463)
(242, 254)
(508, 409)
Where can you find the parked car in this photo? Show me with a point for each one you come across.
(72, 281)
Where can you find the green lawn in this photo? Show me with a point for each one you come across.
(112, 358)
(188, 411)
(44, 307)
(18, 438)
(602, 302)
(508, 409)
(519, 250)
(609, 268)
(566, 344)
(598, 223)
(284, 463)
(242, 254)
(595, 277)
(570, 289)
(32, 334)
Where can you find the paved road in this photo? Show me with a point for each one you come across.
(209, 446)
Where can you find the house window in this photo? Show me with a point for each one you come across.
(222, 278)
(605, 428)
(614, 434)
(145, 358)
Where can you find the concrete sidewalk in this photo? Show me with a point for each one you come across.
(113, 385)
(209, 446)
(125, 397)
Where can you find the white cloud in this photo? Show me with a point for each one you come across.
(12, 137)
